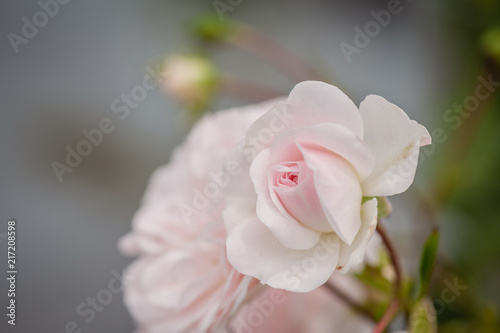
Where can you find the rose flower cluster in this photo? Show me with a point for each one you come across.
(260, 207)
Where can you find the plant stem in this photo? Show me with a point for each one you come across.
(392, 310)
(247, 90)
(275, 54)
(349, 301)
(394, 258)
(398, 288)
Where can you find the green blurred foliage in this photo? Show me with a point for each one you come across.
(466, 175)
(423, 317)
(427, 263)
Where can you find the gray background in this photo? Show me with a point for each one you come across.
(65, 79)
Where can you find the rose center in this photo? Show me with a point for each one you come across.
(289, 179)
(292, 185)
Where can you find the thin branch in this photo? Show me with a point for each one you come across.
(246, 90)
(349, 301)
(393, 308)
(389, 315)
(275, 54)
(394, 257)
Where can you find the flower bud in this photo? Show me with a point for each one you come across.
(191, 79)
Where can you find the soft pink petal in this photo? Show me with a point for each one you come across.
(395, 141)
(316, 312)
(352, 255)
(303, 204)
(291, 233)
(338, 189)
(319, 102)
(253, 250)
(332, 137)
(309, 103)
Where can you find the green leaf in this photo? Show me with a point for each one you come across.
(423, 317)
(428, 262)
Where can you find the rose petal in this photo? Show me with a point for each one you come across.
(352, 255)
(286, 228)
(338, 189)
(395, 141)
(303, 204)
(175, 280)
(309, 103)
(333, 137)
(253, 250)
(150, 317)
(322, 102)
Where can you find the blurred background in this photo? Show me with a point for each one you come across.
(64, 75)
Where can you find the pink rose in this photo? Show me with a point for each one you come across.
(187, 193)
(319, 311)
(296, 212)
(182, 281)
(191, 290)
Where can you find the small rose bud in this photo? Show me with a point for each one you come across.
(191, 79)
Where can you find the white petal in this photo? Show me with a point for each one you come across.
(253, 250)
(285, 228)
(174, 280)
(309, 103)
(319, 102)
(238, 208)
(338, 190)
(333, 137)
(395, 141)
(303, 204)
(240, 193)
(352, 255)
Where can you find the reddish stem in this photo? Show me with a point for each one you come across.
(392, 310)
(394, 258)
(246, 90)
(350, 302)
(275, 54)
